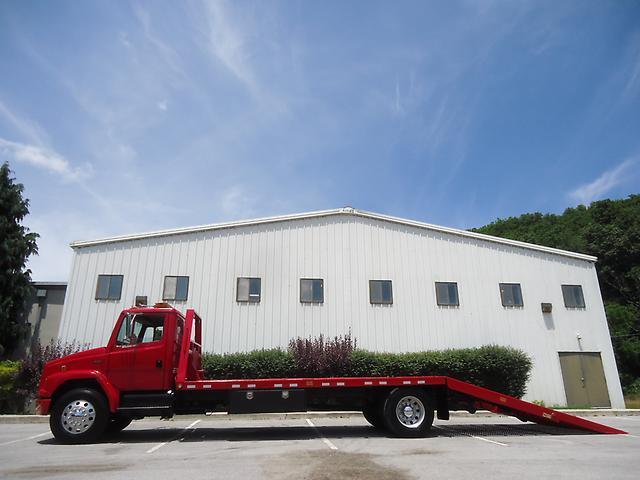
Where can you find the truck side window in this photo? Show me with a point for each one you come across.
(136, 329)
(124, 335)
(179, 332)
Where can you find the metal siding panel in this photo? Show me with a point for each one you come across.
(67, 317)
(236, 252)
(329, 299)
(258, 327)
(138, 272)
(85, 309)
(264, 334)
(104, 262)
(277, 268)
(283, 287)
(200, 258)
(209, 288)
(360, 260)
(224, 304)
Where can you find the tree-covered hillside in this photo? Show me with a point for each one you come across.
(610, 230)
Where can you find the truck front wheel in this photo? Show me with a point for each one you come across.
(79, 416)
(408, 412)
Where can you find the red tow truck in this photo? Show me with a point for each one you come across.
(152, 366)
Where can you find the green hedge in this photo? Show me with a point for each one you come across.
(10, 400)
(503, 369)
(498, 368)
(272, 363)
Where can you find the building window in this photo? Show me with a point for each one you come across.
(447, 294)
(109, 287)
(511, 295)
(573, 297)
(248, 290)
(175, 288)
(311, 290)
(380, 291)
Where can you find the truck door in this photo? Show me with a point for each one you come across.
(137, 360)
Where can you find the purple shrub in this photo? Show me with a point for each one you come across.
(28, 377)
(318, 357)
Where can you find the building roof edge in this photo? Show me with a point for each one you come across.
(333, 212)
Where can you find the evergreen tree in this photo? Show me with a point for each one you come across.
(16, 245)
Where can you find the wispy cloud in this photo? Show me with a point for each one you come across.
(41, 157)
(166, 53)
(236, 202)
(633, 75)
(238, 40)
(29, 130)
(228, 44)
(397, 107)
(602, 185)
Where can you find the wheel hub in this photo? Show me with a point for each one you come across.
(410, 411)
(78, 416)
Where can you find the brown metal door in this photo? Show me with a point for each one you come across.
(596, 382)
(584, 381)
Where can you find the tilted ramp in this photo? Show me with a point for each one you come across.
(499, 403)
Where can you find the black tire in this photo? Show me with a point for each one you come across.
(373, 414)
(117, 423)
(79, 416)
(408, 412)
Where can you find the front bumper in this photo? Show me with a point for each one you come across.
(42, 406)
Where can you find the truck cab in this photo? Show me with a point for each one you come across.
(140, 361)
(143, 349)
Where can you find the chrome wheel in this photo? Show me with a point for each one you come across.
(78, 416)
(410, 411)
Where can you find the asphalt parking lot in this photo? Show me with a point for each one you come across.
(324, 448)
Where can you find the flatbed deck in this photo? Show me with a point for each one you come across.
(479, 397)
(483, 398)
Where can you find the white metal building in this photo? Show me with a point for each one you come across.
(398, 285)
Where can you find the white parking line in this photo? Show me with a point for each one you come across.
(160, 445)
(490, 441)
(23, 439)
(327, 442)
(474, 436)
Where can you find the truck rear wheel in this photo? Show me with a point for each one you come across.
(408, 412)
(79, 416)
(373, 414)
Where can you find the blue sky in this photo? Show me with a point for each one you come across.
(124, 117)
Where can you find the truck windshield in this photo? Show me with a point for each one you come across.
(140, 328)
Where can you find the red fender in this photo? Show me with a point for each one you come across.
(56, 380)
